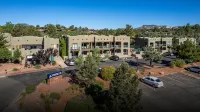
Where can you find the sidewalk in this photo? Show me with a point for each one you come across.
(28, 70)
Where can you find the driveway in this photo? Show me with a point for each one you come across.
(180, 94)
(9, 90)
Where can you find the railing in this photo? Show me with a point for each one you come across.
(75, 48)
(125, 53)
(125, 46)
(117, 46)
(85, 47)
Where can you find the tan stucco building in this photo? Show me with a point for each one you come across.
(29, 45)
(181, 40)
(162, 44)
(83, 45)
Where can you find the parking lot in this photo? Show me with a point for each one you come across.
(180, 93)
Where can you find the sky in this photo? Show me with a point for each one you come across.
(98, 14)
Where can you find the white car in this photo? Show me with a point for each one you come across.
(153, 81)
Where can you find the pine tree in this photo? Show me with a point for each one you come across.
(88, 71)
(3, 41)
(124, 95)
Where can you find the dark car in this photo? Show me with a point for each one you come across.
(115, 58)
(168, 54)
(194, 69)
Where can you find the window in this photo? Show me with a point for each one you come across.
(152, 80)
(118, 50)
(164, 48)
(151, 44)
(74, 46)
(84, 52)
(126, 44)
(125, 51)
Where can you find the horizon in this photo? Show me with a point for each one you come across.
(98, 15)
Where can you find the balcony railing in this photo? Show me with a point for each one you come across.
(125, 53)
(75, 48)
(117, 46)
(125, 46)
(85, 47)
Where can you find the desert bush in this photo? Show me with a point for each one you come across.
(179, 63)
(30, 89)
(15, 69)
(132, 71)
(44, 81)
(53, 63)
(172, 64)
(55, 95)
(37, 66)
(107, 73)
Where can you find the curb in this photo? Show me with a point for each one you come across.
(3, 76)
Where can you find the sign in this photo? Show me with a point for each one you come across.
(54, 74)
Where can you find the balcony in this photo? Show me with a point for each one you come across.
(125, 46)
(86, 47)
(75, 48)
(117, 46)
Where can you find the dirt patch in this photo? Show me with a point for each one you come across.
(33, 102)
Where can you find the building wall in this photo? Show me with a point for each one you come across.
(75, 44)
(29, 45)
(181, 40)
(155, 42)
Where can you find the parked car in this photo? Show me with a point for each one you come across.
(104, 59)
(194, 69)
(153, 81)
(70, 62)
(168, 54)
(115, 58)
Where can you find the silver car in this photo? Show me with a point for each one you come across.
(70, 62)
(194, 69)
(153, 81)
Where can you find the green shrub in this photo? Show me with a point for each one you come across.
(30, 88)
(37, 66)
(142, 70)
(107, 73)
(100, 83)
(55, 95)
(15, 69)
(53, 63)
(74, 87)
(172, 64)
(44, 81)
(132, 71)
(179, 63)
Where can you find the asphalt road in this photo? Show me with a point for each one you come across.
(180, 94)
(12, 86)
(9, 90)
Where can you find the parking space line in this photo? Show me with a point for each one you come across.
(148, 86)
(175, 80)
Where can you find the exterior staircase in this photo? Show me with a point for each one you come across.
(60, 61)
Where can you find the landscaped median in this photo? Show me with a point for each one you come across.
(16, 69)
(161, 71)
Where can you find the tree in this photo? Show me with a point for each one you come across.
(63, 47)
(88, 71)
(58, 27)
(129, 30)
(17, 55)
(5, 54)
(50, 30)
(3, 41)
(151, 54)
(79, 61)
(96, 55)
(124, 95)
(8, 27)
(188, 50)
(37, 26)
